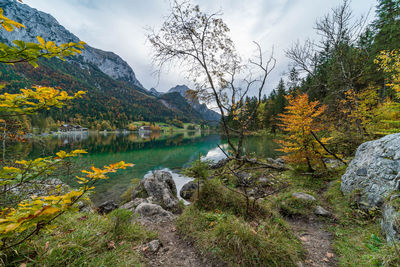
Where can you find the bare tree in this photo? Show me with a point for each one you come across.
(340, 33)
(200, 43)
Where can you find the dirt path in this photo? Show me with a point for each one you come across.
(316, 241)
(175, 251)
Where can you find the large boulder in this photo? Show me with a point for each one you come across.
(161, 188)
(373, 178)
(374, 172)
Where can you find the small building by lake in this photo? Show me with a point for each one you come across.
(145, 129)
(72, 128)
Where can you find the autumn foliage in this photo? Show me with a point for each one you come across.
(21, 217)
(389, 62)
(300, 120)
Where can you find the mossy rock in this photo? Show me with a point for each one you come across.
(290, 205)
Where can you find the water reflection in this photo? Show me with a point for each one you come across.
(148, 152)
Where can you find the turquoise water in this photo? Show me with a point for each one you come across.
(148, 153)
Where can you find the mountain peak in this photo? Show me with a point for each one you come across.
(206, 113)
(181, 89)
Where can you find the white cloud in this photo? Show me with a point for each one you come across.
(118, 26)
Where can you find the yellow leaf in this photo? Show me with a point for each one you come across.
(41, 40)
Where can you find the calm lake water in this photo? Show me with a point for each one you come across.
(148, 153)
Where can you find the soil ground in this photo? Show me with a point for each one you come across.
(176, 251)
(316, 241)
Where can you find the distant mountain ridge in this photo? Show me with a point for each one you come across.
(206, 113)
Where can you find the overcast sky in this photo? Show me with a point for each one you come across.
(119, 26)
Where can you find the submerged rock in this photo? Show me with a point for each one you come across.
(161, 187)
(188, 190)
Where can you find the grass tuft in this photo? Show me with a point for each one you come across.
(85, 239)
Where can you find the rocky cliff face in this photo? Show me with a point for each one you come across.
(46, 26)
(206, 113)
(154, 92)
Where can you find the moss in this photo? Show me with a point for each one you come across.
(141, 192)
(127, 195)
(85, 239)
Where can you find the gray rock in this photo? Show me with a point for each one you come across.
(303, 196)
(129, 205)
(375, 171)
(188, 190)
(334, 163)
(40, 188)
(278, 161)
(84, 206)
(372, 176)
(219, 164)
(153, 213)
(154, 245)
(321, 211)
(390, 223)
(160, 186)
(107, 207)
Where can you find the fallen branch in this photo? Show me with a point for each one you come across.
(273, 166)
(327, 150)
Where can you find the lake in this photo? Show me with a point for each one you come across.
(147, 152)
